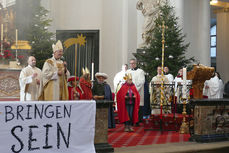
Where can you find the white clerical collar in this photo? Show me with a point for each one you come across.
(55, 59)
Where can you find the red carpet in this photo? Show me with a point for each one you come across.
(118, 138)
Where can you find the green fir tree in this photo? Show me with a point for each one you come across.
(40, 38)
(175, 48)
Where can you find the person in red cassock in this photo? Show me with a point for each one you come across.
(86, 85)
(128, 100)
(74, 90)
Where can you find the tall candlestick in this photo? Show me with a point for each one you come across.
(1, 32)
(92, 71)
(184, 126)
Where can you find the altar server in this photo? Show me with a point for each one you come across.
(29, 81)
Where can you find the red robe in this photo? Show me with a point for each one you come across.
(122, 112)
(86, 87)
(71, 92)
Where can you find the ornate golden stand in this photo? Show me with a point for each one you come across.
(184, 129)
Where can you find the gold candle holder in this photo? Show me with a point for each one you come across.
(163, 27)
(184, 129)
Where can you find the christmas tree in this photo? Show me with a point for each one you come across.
(150, 58)
(40, 37)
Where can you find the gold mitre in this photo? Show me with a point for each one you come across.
(57, 46)
(85, 71)
(127, 76)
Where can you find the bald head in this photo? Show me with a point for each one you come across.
(32, 61)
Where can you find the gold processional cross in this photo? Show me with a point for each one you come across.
(163, 27)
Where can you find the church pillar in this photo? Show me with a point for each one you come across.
(222, 44)
(132, 28)
(194, 18)
(178, 6)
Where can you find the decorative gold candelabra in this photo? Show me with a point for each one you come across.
(184, 129)
(163, 27)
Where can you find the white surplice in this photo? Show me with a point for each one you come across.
(212, 88)
(29, 89)
(138, 78)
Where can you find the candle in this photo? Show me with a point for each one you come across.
(184, 75)
(184, 89)
(92, 71)
(1, 32)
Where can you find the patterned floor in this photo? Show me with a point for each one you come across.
(118, 138)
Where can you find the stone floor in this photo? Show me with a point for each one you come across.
(186, 147)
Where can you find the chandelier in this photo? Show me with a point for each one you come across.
(219, 3)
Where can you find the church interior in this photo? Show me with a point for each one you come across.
(103, 36)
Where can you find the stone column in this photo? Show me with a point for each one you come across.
(194, 18)
(222, 45)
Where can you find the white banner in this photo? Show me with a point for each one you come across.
(47, 127)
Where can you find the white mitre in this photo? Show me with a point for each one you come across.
(57, 46)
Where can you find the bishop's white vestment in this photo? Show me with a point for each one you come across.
(53, 86)
(29, 89)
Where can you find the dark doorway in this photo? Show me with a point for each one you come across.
(85, 54)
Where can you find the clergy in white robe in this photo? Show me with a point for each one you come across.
(168, 75)
(221, 84)
(53, 82)
(155, 92)
(212, 88)
(119, 78)
(138, 78)
(29, 81)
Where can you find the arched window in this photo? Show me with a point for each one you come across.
(213, 46)
(213, 41)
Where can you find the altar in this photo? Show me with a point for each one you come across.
(12, 60)
(9, 84)
(211, 120)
